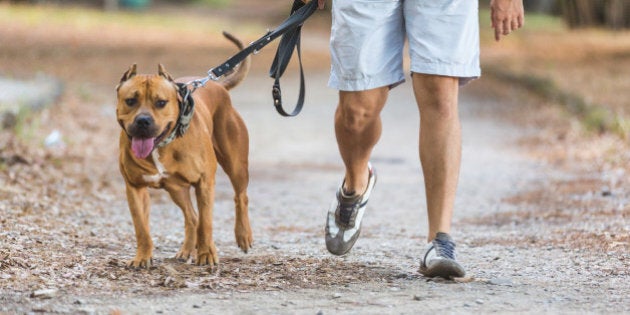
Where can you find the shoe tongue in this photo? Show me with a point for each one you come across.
(142, 147)
(443, 236)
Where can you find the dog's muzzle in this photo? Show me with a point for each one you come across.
(143, 126)
(144, 135)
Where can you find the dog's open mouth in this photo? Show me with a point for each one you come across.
(142, 147)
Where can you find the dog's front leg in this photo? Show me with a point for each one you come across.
(242, 229)
(206, 251)
(181, 197)
(139, 203)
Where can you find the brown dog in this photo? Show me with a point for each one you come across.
(167, 144)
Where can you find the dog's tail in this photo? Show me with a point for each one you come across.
(239, 73)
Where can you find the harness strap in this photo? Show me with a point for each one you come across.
(186, 111)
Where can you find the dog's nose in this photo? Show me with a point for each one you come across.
(143, 121)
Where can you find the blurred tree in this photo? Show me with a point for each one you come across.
(614, 14)
(110, 5)
(542, 6)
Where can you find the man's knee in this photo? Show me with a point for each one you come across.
(358, 110)
(436, 95)
(354, 118)
(440, 109)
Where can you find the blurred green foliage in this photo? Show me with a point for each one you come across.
(213, 3)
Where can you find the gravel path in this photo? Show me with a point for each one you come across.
(512, 265)
(535, 237)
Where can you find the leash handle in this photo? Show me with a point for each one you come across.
(289, 42)
(290, 31)
(299, 13)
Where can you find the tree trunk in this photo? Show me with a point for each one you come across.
(614, 14)
(110, 5)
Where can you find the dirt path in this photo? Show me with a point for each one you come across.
(536, 235)
(294, 173)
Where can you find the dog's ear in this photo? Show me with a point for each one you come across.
(162, 72)
(130, 73)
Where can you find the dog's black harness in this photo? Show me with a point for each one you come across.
(290, 31)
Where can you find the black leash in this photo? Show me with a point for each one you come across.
(290, 41)
(290, 31)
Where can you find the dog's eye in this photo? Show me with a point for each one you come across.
(160, 103)
(130, 101)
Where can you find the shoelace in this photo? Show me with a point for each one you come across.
(444, 248)
(345, 211)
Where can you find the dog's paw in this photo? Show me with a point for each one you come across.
(137, 262)
(186, 254)
(207, 256)
(207, 259)
(244, 240)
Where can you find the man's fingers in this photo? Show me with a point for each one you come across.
(498, 25)
(507, 28)
(506, 16)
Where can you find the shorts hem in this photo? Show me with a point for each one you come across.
(465, 73)
(364, 83)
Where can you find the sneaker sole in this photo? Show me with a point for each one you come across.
(445, 268)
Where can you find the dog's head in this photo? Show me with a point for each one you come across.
(147, 109)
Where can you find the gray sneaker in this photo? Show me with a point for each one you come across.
(439, 259)
(343, 223)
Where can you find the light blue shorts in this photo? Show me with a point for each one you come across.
(368, 36)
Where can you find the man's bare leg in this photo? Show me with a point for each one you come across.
(440, 146)
(440, 156)
(358, 129)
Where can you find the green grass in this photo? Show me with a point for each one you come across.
(87, 19)
(214, 3)
(594, 117)
(26, 124)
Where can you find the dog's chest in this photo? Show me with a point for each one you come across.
(156, 178)
(169, 169)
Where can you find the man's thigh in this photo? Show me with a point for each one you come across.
(444, 37)
(367, 41)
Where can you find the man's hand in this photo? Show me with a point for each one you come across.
(506, 16)
(320, 3)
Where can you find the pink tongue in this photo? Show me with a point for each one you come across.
(142, 147)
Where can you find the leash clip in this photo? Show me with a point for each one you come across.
(211, 76)
(201, 82)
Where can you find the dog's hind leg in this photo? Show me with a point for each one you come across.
(181, 197)
(231, 145)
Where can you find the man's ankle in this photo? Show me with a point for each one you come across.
(358, 188)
